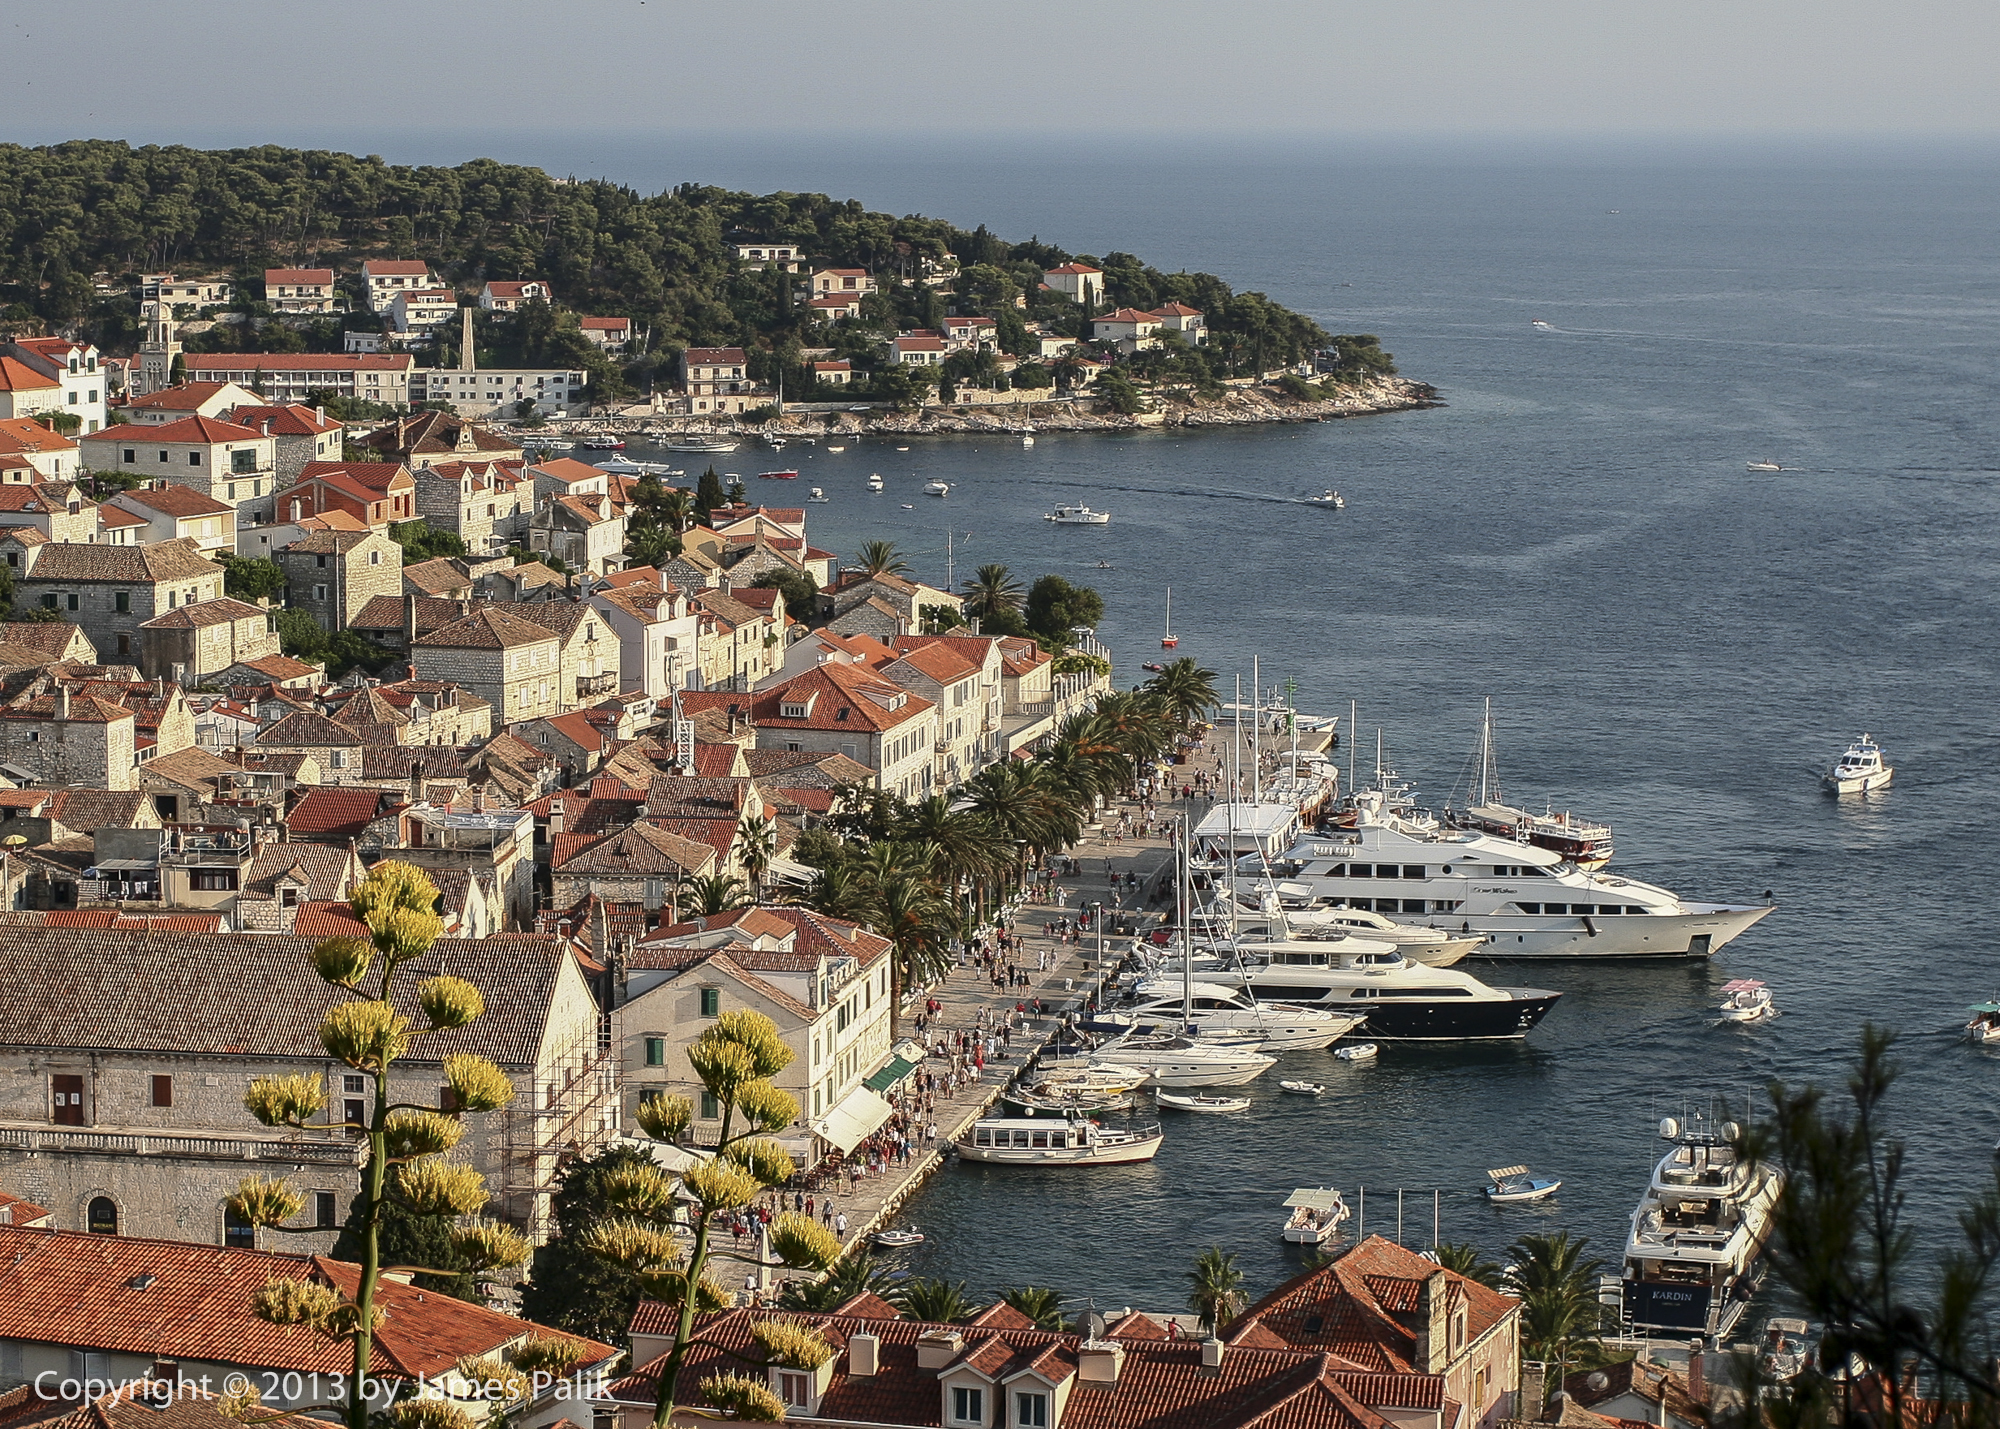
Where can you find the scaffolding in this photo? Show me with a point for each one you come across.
(569, 1111)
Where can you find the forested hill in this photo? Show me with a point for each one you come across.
(93, 207)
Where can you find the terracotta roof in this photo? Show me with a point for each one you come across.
(25, 434)
(306, 729)
(844, 701)
(195, 431)
(941, 663)
(604, 324)
(714, 357)
(295, 277)
(51, 636)
(489, 628)
(86, 810)
(325, 871)
(178, 559)
(331, 919)
(1076, 268)
(640, 849)
(395, 268)
(385, 612)
(222, 610)
(278, 667)
(17, 376)
(174, 499)
(289, 420)
(187, 397)
(121, 1294)
(436, 576)
(334, 813)
(297, 362)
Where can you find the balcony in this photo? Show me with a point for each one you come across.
(326, 1152)
(589, 685)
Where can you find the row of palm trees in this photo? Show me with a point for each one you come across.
(924, 873)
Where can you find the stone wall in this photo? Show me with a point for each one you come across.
(94, 753)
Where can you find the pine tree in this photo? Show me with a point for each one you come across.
(709, 495)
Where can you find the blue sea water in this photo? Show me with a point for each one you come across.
(1672, 643)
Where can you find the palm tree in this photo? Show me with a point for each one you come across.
(756, 846)
(1186, 689)
(1038, 1302)
(991, 590)
(854, 1275)
(1560, 1313)
(1468, 1260)
(968, 850)
(1215, 1288)
(677, 510)
(717, 893)
(937, 1302)
(914, 915)
(879, 558)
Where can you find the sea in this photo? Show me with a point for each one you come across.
(1672, 643)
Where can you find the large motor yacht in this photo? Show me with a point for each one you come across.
(1402, 1000)
(1524, 901)
(1691, 1258)
(1214, 1011)
(1299, 919)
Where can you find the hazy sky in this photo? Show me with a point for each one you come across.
(399, 76)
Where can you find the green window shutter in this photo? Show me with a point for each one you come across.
(656, 1051)
(710, 1109)
(711, 1001)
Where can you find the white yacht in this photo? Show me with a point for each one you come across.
(1317, 1212)
(1691, 1258)
(875, 481)
(702, 444)
(1433, 947)
(1035, 1141)
(1171, 1061)
(936, 488)
(1078, 516)
(1230, 1012)
(1402, 1000)
(1859, 770)
(1524, 901)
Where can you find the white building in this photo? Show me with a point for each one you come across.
(300, 290)
(506, 297)
(386, 277)
(423, 310)
(77, 372)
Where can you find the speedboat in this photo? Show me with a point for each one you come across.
(875, 481)
(937, 488)
(1762, 466)
(602, 444)
(1317, 1212)
(1329, 497)
(1513, 1183)
(1746, 1000)
(1303, 1089)
(897, 1240)
(702, 444)
(1691, 1258)
(1179, 1102)
(1524, 900)
(1985, 1024)
(1031, 1141)
(777, 476)
(1545, 326)
(815, 495)
(1077, 516)
(909, 506)
(1187, 1062)
(1781, 1354)
(1860, 769)
(1154, 665)
(1359, 1052)
(1215, 1011)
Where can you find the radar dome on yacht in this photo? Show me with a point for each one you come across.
(1731, 1132)
(1669, 1128)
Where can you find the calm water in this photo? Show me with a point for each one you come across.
(1672, 643)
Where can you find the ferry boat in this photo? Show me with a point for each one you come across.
(1402, 1001)
(701, 444)
(1860, 769)
(1525, 901)
(1078, 516)
(1691, 1259)
(1075, 1141)
(1317, 1212)
(1583, 843)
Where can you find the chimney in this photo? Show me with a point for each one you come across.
(558, 817)
(320, 412)
(1534, 1396)
(1434, 1314)
(1211, 1353)
(1099, 1361)
(1697, 1388)
(938, 1348)
(409, 622)
(62, 701)
(864, 1355)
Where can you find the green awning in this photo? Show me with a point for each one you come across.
(893, 1071)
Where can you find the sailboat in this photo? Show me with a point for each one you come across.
(1169, 640)
(1586, 844)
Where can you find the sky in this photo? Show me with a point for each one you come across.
(417, 80)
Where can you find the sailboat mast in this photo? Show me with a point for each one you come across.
(1186, 881)
(1257, 732)
(1353, 733)
(1486, 752)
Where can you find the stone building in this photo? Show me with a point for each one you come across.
(506, 659)
(145, 1133)
(333, 574)
(639, 864)
(111, 590)
(220, 459)
(49, 736)
(189, 644)
(588, 658)
(298, 433)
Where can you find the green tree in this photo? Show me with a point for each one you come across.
(251, 579)
(856, 1274)
(734, 1059)
(709, 494)
(991, 590)
(422, 541)
(1055, 607)
(1560, 1314)
(756, 846)
(406, 1145)
(1215, 1289)
(880, 558)
(1187, 689)
(569, 1287)
(1468, 1260)
(300, 636)
(410, 1239)
(716, 893)
(1119, 395)
(1038, 1303)
(798, 588)
(936, 1302)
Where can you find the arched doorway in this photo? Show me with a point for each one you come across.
(102, 1216)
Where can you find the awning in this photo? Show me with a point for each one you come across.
(675, 1159)
(786, 870)
(853, 1117)
(893, 1071)
(1313, 1198)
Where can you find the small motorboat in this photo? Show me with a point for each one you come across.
(777, 476)
(1303, 1089)
(1860, 770)
(602, 444)
(1513, 1183)
(902, 449)
(1027, 441)
(1746, 1000)
(776, 443)
(1359, 1052)
(897, 1240)
(909, 506)
(1317, 1212)
(1067, 1101)
(1153, 665)
(1329, 497)
(815, 495)
(1105, 566)
(1762, 466)
(1782, 1353)
(1077, 516)
(1177, 1102)
(937, 488)
(833, 448)
(1985, 1024)
(875, 481)
(1544, 326)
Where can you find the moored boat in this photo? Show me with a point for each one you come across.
(601, 443)
(1513, 1183)
(777, 476)
(1359, 1052)
(1303, 1088)
(897, 1240)
(815, 495)
(1180, 1101)
(936, 488)
(1028, 1141)
(875, 481)
(1317, 1212)
(701, 444)
(1746, 1000)
(1782, 1353)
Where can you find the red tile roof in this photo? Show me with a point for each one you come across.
(331, 813)
(193, 430)
(714, 357)
(290, 420)
(184, 398)
(325, 919)
(296, 276)
(297, 362)
(17, 376)
(395, 268)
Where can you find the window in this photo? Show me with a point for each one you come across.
(72, 602)
(243, 462)
(353, 1113)
(68, 1093)
(447, 1098)
(326, 1211)
(232, 491)
(124, 645)
(1031, 1411)
(968, 1406)
(795, 1389)
(212, 880)
(131, 457)
(710, 1108)
(656, 1051)
(319, 592)
(121, 601)
(163, 1090)
(163, 458)
(48, 602)
(1413, 870)
(354, 1083)
(711, 1001)
(194, 458)
(237, 1232)
(102, 1217)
